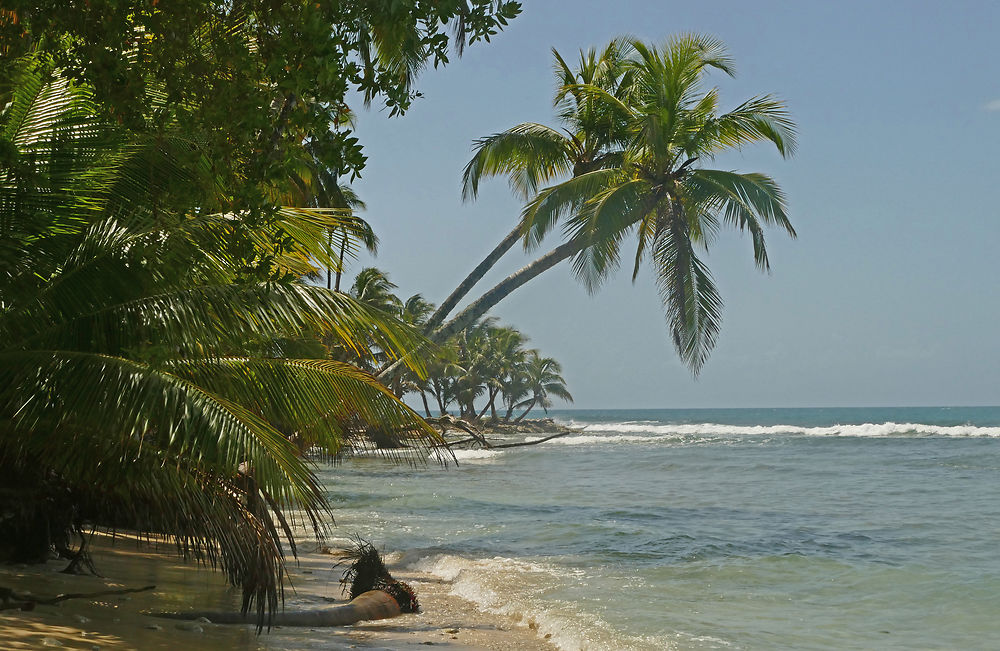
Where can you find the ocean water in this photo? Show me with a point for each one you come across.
(712, 529)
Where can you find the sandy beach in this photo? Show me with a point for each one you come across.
(122, 622)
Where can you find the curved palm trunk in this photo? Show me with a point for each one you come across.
(427, 407)
(340, 267)
(374, 604)
(470, 281)
(329, 270)
(530, 407)
(490, 406)
(489, 300)
(504, 288)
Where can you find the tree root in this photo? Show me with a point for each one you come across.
(10, 600)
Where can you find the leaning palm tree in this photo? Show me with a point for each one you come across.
(658, 189)
(542, 379)
(532, 154)
(139, 385)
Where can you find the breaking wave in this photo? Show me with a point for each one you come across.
(629, 432)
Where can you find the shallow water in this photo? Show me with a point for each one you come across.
(704, 529)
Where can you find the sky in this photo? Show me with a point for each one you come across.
(889, 296)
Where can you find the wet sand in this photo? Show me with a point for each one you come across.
(122, 622)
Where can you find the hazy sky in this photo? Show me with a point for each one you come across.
(890, 294)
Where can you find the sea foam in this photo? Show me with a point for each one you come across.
(628, 432)
(466, 455)
(505, 586)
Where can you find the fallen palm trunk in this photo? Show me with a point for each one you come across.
(371, 605)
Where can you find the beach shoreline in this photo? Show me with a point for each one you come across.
(121, 621)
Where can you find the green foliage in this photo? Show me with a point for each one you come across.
(540, 378)
(254, 81)
(141, 378)
(639, 125)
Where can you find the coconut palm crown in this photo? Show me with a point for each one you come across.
(652, 127)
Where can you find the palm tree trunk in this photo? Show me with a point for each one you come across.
(440, 400)
(340, 266)
(521, 417)
(427, 407)
(510, 412)
(329, 270)
(502, 290)
(489, 403)
(470, 281)
(368, 606)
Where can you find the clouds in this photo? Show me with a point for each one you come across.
(993, 106)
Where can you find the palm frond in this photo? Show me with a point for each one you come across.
(759, 119)
(529, 154)
(745, 200)
(691, 301)
(601, 225)
(542, 213)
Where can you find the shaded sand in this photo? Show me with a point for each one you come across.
(120, 622)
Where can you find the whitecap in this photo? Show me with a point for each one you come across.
(631, 432)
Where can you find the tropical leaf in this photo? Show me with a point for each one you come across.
(139, 387)
(528, 154)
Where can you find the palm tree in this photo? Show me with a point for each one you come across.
(654, 186)
(373, 288)
(139, 382)
(531, 154)
(311, 183)
(505, 353)
(471, 345)
(542, 378)
(354, 230)
(414, 313)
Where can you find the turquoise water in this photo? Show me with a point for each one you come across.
(709, 529)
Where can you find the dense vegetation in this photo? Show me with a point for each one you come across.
(482, 361)
(163, 365)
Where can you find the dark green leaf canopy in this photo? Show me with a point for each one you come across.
(141, 381)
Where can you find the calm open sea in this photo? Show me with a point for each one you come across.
(712, 529)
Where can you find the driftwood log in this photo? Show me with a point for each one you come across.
(448, 421)
(371, 605)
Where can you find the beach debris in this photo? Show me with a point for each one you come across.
(51, 641)
(536, 441)
(368, 572)
(374, 595)
(448, 421)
